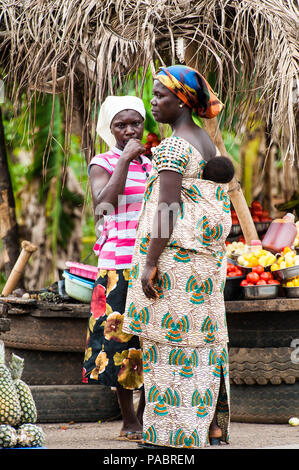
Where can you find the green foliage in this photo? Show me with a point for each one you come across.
(291, 205)
(45, 164)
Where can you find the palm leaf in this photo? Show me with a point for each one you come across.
(85, 49)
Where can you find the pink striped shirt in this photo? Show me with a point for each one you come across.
(116, 243)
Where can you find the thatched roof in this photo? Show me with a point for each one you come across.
(86, 48)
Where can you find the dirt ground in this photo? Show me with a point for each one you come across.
(103, 435)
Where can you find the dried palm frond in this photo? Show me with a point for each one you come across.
(87, 48)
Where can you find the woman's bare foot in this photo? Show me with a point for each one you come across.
(215, 430)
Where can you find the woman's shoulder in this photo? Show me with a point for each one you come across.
(173, 144)
(109, 155)
(106, 160)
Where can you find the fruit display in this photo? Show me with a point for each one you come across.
(8, 436)
(152, 140)
(29, 413)
(232, 289)
(236, 248)
(17, 408)
(293, 282)
(30, 435)
(260, 284)
(10, 407)
(259, 214)
(233, 271)
(259, 277)
(254, 258)
(27, 435)
(287, 259)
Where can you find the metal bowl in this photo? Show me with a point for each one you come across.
(235, 230)
(287, 273)
(235, 263)
(261, 226)
(292, 292)
(261, 292)
(245, 269)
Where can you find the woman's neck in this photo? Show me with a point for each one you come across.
(183, 125)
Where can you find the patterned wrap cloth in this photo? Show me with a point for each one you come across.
(112, 357)
(184, 331)
(191, 88)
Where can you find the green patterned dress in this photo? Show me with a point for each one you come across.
(184, 331)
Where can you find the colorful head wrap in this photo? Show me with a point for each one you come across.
(191, 88)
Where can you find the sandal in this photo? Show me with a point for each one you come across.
(145, 445)
(132, 436)
(214, 441)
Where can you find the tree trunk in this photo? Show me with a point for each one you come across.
(235, 191)
(8, 222)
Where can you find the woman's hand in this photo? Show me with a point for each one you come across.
(133, 149)
(149, 275)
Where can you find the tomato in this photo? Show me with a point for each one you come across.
(258, 213)
(241, 239)
(155, 143)
(235, 221)
(265, 213)
(238, 272)
(261, 282)
(244, 283)
(258, 269)
(266, 276)
(273, 281)
(255, 218)
(151, 137)
(252, 277)
(231, 274)
(256, 205)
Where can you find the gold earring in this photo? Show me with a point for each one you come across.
(181, 105)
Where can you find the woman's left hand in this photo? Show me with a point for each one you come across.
(149, 274)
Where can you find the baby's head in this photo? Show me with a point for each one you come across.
(219, 169)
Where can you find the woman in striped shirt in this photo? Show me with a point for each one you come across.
(117, 177)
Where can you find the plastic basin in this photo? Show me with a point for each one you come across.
(78, 288)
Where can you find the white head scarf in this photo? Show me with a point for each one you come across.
(112, 106)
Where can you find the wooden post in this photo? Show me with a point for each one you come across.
(235, 191)
(17, 271)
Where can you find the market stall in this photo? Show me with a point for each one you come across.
(262, 307)
(48, 329)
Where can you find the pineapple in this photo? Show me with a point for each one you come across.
(30, 435)
(8, 436)
(10, 407)
(24, 393)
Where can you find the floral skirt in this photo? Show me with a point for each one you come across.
(184, 388)
(112, 357)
